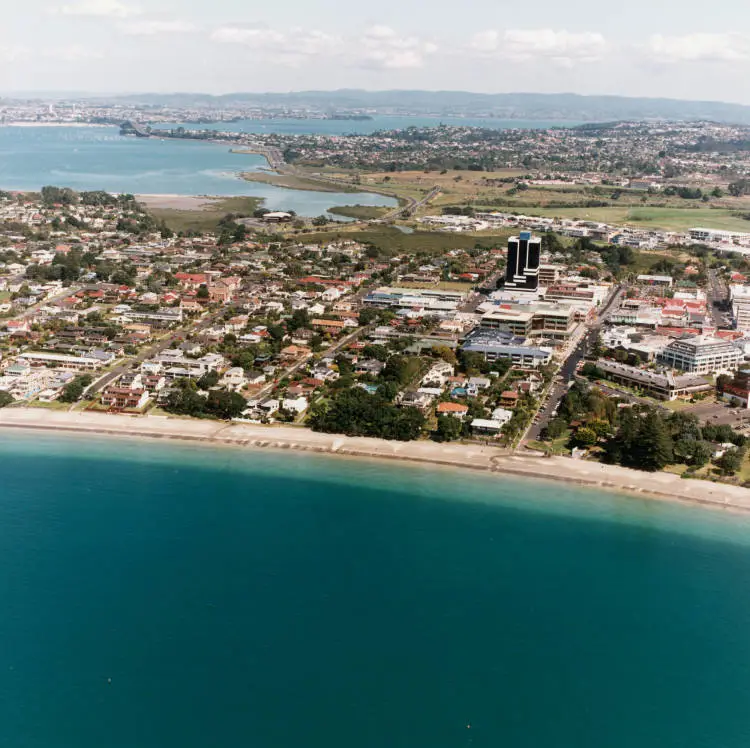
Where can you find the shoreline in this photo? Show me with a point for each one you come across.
(661, 486)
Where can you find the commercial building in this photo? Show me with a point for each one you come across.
(740, 297)
(546, 320)
(522, 271)
(62, 361)
(498, 344)
(701, 354)
(737, 392)
(430, 299)
(665, 386)
(664, 281)
(717, 235)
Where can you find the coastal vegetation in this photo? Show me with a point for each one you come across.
(207, 216)
(356, 412)
(643, 436)
(359, 212)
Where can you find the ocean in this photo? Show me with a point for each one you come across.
(162, 594)
(99, 158)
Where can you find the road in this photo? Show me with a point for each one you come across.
(568, 368)
(290, 370)
(718, 299)
(149, 352)
(34, 308)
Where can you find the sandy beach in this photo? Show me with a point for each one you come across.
(611, 477)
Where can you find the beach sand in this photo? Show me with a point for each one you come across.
(477, 457)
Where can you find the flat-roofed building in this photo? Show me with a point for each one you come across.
(665, 281)
(740, 297)
(62, 361)
(551, 321)
(701, 354)
(665, 386)
(431, 299)
(495, 345)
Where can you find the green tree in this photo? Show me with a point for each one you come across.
(5, 398)
(449, 428)
(653, 450)
(585, 437)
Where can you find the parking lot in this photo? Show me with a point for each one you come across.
(720, 413)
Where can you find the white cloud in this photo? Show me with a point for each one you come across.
(14, 52)
(99, 9)
(291, 47)
(379, 47)
(157, 28)
(382, 47)
(72, 53)
(524, 45)
(699, 47)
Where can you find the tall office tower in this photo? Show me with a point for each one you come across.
(522, 272)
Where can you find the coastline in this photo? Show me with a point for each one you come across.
(662, 486)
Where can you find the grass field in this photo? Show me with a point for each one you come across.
(294, 182)
(485, 190)
(392, 241)
(666, 219)
(359, 212)
(207, 217)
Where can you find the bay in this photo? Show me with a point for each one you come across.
(161, 594)
(99, 158)
(365, 127)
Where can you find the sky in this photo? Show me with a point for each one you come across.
(686, 50)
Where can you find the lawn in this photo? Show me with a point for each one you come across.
(360, 212)
(665, 219)
(205, 218)
(392, 241)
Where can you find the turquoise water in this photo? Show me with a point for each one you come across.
(158, 595)
(99, 158)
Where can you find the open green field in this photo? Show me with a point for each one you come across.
(207, 216)
(665, 219)
(359, 212)
(392, 241)
(295, 182)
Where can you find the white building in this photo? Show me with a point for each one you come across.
(701, 354)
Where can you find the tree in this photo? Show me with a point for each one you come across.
(585, 437)
(597, 347)
(556, 428)
(356, 412)
(447, 354)
(653, 450)
(449, 428)
(208, 380)
(731, 461)
(202, 292)
(5, 398)
(300, 319)
(722, 381)
(701, 454)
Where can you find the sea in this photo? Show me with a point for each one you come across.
(159, 594)
(99, 158)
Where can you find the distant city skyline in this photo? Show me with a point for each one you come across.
(112, 46)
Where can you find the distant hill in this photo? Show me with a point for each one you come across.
(563, 106)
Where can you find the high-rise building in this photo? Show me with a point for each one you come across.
(522, 272)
